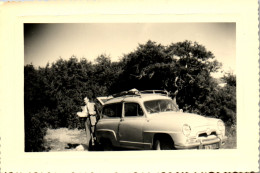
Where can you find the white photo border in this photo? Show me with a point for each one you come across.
(15, 14)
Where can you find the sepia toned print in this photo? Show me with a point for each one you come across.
(199, 79)
(127, 86)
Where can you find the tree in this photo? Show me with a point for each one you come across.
(136, 64)
(68, 82)
(229, 79)
(182, 68)
(106, 73)
(65, 83)
(193, 67)
(228, 99)
(34, 101)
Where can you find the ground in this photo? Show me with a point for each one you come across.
(64, 139)
(231, 134)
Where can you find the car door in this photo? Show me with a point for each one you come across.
(131, 126)
(107, 126)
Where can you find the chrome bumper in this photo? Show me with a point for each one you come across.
(201, 144)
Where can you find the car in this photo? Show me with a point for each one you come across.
(150, 120)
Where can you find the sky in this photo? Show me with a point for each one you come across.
(45, 43)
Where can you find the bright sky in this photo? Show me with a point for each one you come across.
(48, 42)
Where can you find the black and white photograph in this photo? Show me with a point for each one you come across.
(143, 86)
(126, 86)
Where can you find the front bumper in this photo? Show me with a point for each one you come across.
(218, 142)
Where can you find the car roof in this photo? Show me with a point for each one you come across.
(137, 98)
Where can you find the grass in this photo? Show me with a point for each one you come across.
(231, 134)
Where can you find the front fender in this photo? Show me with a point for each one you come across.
(149, 136)
(153, 127)
(107, 134)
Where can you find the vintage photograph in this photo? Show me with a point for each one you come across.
(97, 87)
(129, 86)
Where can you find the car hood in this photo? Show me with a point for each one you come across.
(180, 118)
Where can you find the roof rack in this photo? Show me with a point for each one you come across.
(135, 92)
(162, 92)
(132, 92)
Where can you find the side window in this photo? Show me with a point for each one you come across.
(133, 109)
(112, 110)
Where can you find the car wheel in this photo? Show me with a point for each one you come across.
(106, 145)
(163, 144)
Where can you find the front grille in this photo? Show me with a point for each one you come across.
(205, 134)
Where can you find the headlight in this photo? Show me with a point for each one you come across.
(186, 130)
(221, 126)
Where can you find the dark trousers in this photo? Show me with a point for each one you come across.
(88, 131)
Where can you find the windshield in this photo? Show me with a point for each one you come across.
(156, 106)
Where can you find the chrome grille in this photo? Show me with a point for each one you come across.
(206, 135)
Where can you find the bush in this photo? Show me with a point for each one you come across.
(35, 131)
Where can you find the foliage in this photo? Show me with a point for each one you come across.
(228, 99)
(54, 94)
(182, 68)
(229, 79)
(33, 99)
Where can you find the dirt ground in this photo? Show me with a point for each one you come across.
(64, 139)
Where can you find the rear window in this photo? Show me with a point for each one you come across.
(112, 110)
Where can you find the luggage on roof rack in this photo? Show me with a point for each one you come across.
(131, 92)
(135, 92)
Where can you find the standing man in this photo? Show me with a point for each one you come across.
(89, 115)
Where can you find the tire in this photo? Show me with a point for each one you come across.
(163, 144)
(106, 145)
(94, 147)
